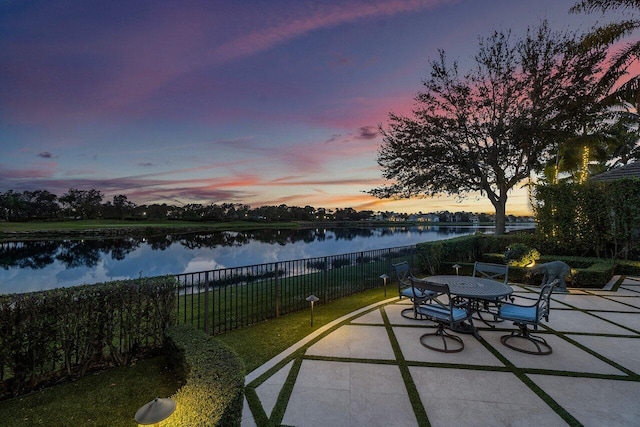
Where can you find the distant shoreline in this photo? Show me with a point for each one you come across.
(88, 229)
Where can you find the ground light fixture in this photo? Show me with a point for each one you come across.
(312, 299)
(384, 278)
(159, 409)
(457, 267)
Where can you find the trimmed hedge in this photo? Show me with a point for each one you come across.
(66, 332)
(213, 375)
(439, 258)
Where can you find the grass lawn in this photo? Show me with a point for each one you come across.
(260, 342)
(105, 398)
(111, 397)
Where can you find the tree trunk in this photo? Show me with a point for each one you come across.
(500, 206)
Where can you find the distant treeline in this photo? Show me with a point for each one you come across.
(42, 205)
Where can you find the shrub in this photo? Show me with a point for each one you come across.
(214, 379)
(628, 268)
(47, 335)
(595, 276)
(520, 255)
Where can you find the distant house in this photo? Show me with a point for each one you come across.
(432, 218)
(630, 170)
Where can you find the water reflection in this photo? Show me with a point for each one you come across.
(28, 266)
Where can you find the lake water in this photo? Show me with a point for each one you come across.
(32, 266)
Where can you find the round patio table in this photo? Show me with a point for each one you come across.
(479, 291)
(473, 287)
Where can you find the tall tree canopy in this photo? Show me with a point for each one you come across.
(488, 129)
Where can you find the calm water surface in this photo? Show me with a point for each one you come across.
(32, 266)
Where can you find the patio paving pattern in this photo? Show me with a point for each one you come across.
(369, 369)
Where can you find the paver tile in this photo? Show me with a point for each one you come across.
(577, 321)
(375, 396)
(565, 356)
(630, 320)
(624, 351)
(355, 341)
(470, 398)
(374, 318)
(590, 302)
(474, 352)
(269, 390)
(594, 402)
(395, 318)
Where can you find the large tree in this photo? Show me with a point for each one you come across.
(486, 130)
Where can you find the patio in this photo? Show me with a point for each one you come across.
(368, 368)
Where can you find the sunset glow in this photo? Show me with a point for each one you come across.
(255, 102)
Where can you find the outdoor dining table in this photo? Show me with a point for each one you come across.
(474, 288)
(478, 290)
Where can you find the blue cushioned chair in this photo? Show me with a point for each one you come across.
(444, 314)
(525, 315)
(405, 290)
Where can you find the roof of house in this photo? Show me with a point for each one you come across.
(630, 170)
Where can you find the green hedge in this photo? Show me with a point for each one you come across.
(587, 272)
(628, 268)
(592, 219)
(214, 380)
(65, 332)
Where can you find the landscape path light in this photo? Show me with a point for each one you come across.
(384, 278)
(457, 267)
(159, 409)
(312, 299)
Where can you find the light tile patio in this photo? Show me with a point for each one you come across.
(474, 352)
(342, 393)
(269, 390)
(349, 394)
(576, 321)
(480, 398)
(590, 302)
(625, 319)
(565, 356)
(595, 402)
(624, 351)
(356, 342)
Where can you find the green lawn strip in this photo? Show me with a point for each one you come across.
(285, 393)
(259, 415)
(412, 390)
(521, 374)
(110, 397)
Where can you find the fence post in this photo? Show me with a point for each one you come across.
(362, 285)
(277, 292)
(206, 302)
(324, 279)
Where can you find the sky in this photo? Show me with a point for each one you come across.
(262, 102)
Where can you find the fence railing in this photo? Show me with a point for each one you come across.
(221, 300)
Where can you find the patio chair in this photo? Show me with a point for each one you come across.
(449, 314)
(497, 272)
(404, 276)
(525, 315)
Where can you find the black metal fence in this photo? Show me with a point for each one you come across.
(221, 300)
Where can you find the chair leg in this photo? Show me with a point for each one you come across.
(523, 335)
(409, 313)
(450, 343)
